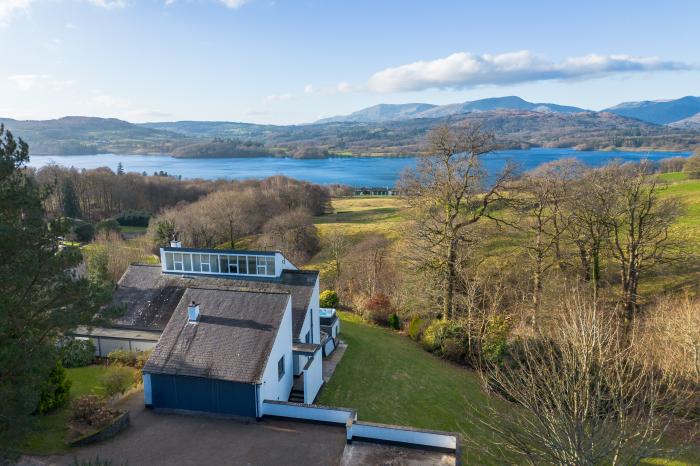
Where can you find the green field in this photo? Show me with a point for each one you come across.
(49, 432)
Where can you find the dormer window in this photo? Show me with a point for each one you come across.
(224, 263)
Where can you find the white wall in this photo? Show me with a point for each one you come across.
(105, 345)
(314, 306)
(311, 413)
(272, 388)
(313, 378)
(402, 435)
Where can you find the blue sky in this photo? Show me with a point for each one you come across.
(288, 61)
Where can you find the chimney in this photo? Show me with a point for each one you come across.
(193, 312)
(175, 244)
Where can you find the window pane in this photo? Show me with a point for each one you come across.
(214, 262)
(232, 264)
(242, 268)
(261, 268)
(251, 265)
(223, 264)
(178, 257)
(188, 262)
(169, 261)
(196, 262)
(178, 266)
(205, 266)
(270, 261)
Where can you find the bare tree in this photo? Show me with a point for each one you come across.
(337, 244)
(448, 193)
(584, 396)
(640, 220)
(589, 209)
(544, 194)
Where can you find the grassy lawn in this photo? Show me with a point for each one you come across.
(389, 378)
(50, 430)
(130, 229)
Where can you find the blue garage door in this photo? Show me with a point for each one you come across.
(199, 394)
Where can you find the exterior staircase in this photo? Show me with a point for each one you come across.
(297, 396)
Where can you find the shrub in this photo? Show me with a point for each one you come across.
(84, 232)
(394, 322)
(116, 381)
(432, 335)
(108, 225)
(77, 353)
(123, 357)
(495, 341)
(378, 308)
(91, 410)
(415, 328)
(134, 218)
(329, 298)
(55, 391)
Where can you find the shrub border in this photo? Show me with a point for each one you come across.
(110, 430)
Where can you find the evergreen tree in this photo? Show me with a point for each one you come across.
(71, 206)
(120, 169)
(41, 297)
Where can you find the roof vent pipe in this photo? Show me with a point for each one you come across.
(193, 312)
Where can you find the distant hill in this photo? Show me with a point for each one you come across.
(398, 134)
(690, 123)
(661, 112)
(388, 112)
(77, 135)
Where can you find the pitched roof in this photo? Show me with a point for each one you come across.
(231, 340)
(150, 296)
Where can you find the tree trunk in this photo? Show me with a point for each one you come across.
(447, 301)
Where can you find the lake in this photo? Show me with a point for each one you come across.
(354, 171)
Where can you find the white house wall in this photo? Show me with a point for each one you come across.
(313, 378)
(272, 388)
(314, 306)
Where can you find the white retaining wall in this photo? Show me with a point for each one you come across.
(308, 413)
(400, 434)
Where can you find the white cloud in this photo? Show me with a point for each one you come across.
(108, 4)
(465, 70)
(31, 82)
(309, 89)
(10, 7)
(25, 82)
(233, 3)
(279, 97)
(105, 100)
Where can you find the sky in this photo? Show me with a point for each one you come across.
(295, 61)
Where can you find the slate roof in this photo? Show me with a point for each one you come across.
(151, 296)
(231, 340)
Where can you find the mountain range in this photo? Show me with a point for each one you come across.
(381, 130)
(394, 112)
(660, 112)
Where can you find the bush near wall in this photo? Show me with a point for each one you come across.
(77, 353)
(329, 298)
(116, 381)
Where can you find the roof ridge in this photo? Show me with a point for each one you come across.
(287, 293)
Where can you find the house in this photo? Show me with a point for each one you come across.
(228, 328)
(376, 191)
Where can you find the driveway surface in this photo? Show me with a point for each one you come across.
(181, 439)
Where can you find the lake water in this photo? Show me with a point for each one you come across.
(354, 171)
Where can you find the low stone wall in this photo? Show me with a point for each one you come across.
(109, 431)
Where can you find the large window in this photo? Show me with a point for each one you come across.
(235, 264)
